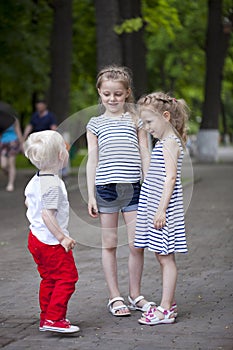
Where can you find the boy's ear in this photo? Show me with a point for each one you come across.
(167, 115)
(61, 155)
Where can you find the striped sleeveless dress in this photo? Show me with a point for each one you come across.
(171, 238)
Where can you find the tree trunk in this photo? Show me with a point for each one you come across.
(227, 30)
(211, 107)
(108, 42)
(217, 43)
(134, 51)
(208, 136)
(61, 59)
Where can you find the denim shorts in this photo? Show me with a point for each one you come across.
(112, 198)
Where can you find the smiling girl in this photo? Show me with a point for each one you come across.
(117, 158)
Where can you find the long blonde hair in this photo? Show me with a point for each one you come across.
(121, 74)
(178, 109)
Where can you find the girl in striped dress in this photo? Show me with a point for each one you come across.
(117, 157)
(160, 220)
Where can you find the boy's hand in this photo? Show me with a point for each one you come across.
(68, 243)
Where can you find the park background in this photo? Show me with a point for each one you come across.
(53, 49)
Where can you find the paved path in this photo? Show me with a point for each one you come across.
(205, 283)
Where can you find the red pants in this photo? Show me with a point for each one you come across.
(59, 275)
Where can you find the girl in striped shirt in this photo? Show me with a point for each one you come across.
(117, 158)
(160, 220)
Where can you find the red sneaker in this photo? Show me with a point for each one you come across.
(61, 326)
(41, 329)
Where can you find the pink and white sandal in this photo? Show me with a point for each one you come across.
(152, 319)
(173, 309)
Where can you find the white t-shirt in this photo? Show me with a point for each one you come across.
(46, 191)
(118, 149)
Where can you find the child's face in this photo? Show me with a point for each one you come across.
(113, 95)
(154, 123)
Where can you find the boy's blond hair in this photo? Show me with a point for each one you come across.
(43, 149)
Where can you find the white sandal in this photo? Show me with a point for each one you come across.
(114, 309)
(173, 309)
(133, 304)
(152, 319)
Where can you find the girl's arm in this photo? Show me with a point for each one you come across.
(18, 131)
(27, 131)
(48, 216)
(144, 151)
(171, 153)
(92, 162)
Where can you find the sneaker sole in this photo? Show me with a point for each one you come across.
(60, 330)
(41, 329)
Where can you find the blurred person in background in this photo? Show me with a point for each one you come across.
(10, 145)
(41, 120)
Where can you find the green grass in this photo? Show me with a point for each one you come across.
(77, 160)
(22, 162)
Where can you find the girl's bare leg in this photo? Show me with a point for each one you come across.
(4, 164)
(169, 278)
(11, 173)
(109, 223)
(136, 258)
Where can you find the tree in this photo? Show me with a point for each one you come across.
(174, 36)
(216, 47)
(61, 58)
(84, 67)
(119, 41)
(24, 68)
(133, 46)
(108, 42)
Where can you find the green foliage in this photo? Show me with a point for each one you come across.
(129, 26)
(176, 59)
(176, 52)
(83, 92)
(24, 68)
(78, 158)
(175, 35)
(159, 14)
(193, 127)
(25, 27)
(22, 162)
